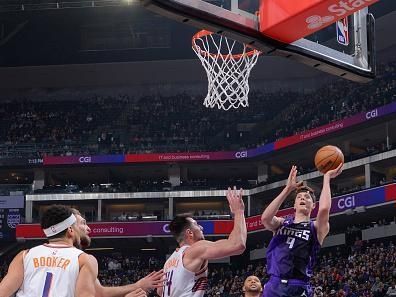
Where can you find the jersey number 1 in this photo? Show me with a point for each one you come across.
(47, 284)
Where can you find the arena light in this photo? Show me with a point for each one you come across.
(149, 217)
(100, 249)
(360, 209)
(148, 249)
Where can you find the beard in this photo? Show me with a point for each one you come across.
(77, 244)
(85, 242)
(82, 243)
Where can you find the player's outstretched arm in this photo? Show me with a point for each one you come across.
(14, 277)
(151, 281)
(268, 218)
(87, 277)
(234, 245)
(322, 219)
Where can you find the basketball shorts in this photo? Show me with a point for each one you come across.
(277, 287)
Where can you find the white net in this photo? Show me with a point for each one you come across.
(228, 64)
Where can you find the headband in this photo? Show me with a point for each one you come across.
(62, 226)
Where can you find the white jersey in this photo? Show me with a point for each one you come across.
(181, 282)
(50, 270)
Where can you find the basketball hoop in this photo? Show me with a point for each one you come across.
(228, 73)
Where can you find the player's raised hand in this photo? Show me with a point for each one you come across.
(137, 293)
(292, 183)
(153, 280)
(335, 172)
(235, 200)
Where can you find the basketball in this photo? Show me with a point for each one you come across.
(328, 158)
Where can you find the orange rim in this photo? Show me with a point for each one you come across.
(204, 33)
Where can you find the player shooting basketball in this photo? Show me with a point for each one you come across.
(292, 251)
(187, 268)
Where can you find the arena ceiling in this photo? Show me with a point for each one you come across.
(167, 70)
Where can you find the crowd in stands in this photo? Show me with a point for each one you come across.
(343, 99)
(60, 127)
(367, 270)
(121, 124)
(363, 269)
(223, 279)
(120, 270)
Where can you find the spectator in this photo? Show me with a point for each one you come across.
(391, 290)
(252, 287)
(179, 123)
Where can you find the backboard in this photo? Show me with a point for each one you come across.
(345, 48)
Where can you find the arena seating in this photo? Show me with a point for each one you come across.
(364, 269)
(121, 124)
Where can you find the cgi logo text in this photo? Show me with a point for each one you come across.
(346, 202)
(165, 228)
(84, 159)
(240, 155)
(372, 114)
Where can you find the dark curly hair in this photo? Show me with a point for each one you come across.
(54, 215)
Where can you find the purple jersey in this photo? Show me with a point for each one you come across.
(292, 251)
